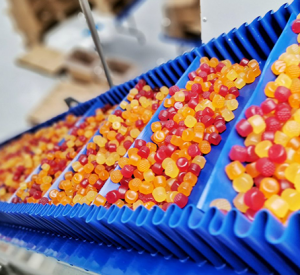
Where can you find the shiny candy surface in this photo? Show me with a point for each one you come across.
(118, 131)
(82, 179)
(21, 156)
(187, 128)
(273, 130)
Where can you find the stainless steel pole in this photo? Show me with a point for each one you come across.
(91, 24)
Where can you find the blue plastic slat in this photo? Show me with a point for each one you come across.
(164, 76)
(116, 218)
(182, 62)
(130, 221)
(178, 223)
(210, 49)
(219, 45)
(222, 228)
(176, 69)
(114, 223)
(251, 233)
(106, 260)
(169, 72)
(89, 222)
(156, 81)
(294, 7)
(280, 17)
(244, 39)
(267, 25)
(286, 241)
(170, 247)
(199, 225)
(79, 215)
(106, 99)
(254, 30)
(232, 44)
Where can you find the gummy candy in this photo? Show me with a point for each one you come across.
(188, 127)
(271, 176)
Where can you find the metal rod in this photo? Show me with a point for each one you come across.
(91, 24)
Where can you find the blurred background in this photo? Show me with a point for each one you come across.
(47, 53)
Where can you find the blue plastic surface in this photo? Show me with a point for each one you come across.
(219, 185)
(102, 259)
(176, 241)
(199, 240)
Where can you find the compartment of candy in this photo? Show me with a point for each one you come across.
(214, 190)
(144, 176)
(21, 156)
(90, 112)
(58, 157)
(166, 74)
(109, 185)
(32, 150)
(84, 111)
(58, 192)
(91, 168)
(144, 102)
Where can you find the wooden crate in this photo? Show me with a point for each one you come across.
(43, 60)
(65, 8)
(53, 104)
(114, 7)
(184, 19)
(33, 18)
(85, 65)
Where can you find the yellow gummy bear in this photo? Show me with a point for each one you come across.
(258, 124)
(190, 121)
(277, 206)
(291, 128)
(262, 148)
(284, 80)
(292, 197)
(232, 75)
(243, 183)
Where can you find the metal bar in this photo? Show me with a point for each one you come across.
(91, 24)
